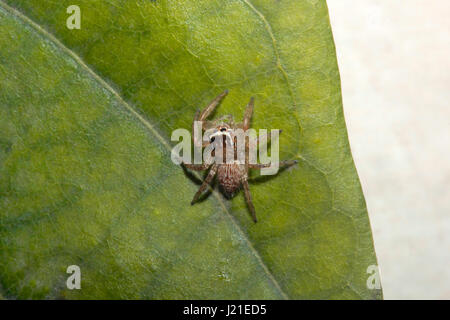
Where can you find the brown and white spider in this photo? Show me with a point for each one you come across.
(231, 176)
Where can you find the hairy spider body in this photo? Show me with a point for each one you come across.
(232, 175)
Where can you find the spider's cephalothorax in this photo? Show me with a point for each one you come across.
(231, 176)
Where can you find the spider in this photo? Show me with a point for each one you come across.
(231, 176)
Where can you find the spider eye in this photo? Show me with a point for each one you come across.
(212, 139)
(223, 129)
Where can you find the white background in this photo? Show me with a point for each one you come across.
(394, 60)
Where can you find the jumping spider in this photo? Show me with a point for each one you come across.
(231, 176)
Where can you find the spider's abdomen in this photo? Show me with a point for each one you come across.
(230, 176)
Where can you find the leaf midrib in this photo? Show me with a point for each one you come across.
(148, 125)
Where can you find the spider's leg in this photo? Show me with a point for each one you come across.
(284, 163)
(194, 137)
(248, 114)
(197, 167)
(205, 183)
(210, 108)
(246, 125)
(268, 136)
(201, 116)
(197, 114)
(248, 198)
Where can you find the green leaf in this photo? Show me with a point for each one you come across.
(85, 171)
